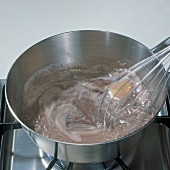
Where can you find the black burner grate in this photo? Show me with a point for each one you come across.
(121, 162)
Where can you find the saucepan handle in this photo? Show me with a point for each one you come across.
(161, 45)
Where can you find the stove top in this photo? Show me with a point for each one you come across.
(17, 151)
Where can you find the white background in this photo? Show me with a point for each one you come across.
(26, 22)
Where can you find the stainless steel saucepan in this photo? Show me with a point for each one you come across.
(73, 47)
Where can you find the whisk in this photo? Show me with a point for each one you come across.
(145, 97)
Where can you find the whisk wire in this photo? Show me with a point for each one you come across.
(134, 69)
(152, 106)
(138, 94)
(143, 79)
(146, 81)
(144, 107)
(132, 101)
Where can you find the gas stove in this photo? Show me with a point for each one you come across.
(17, 150)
